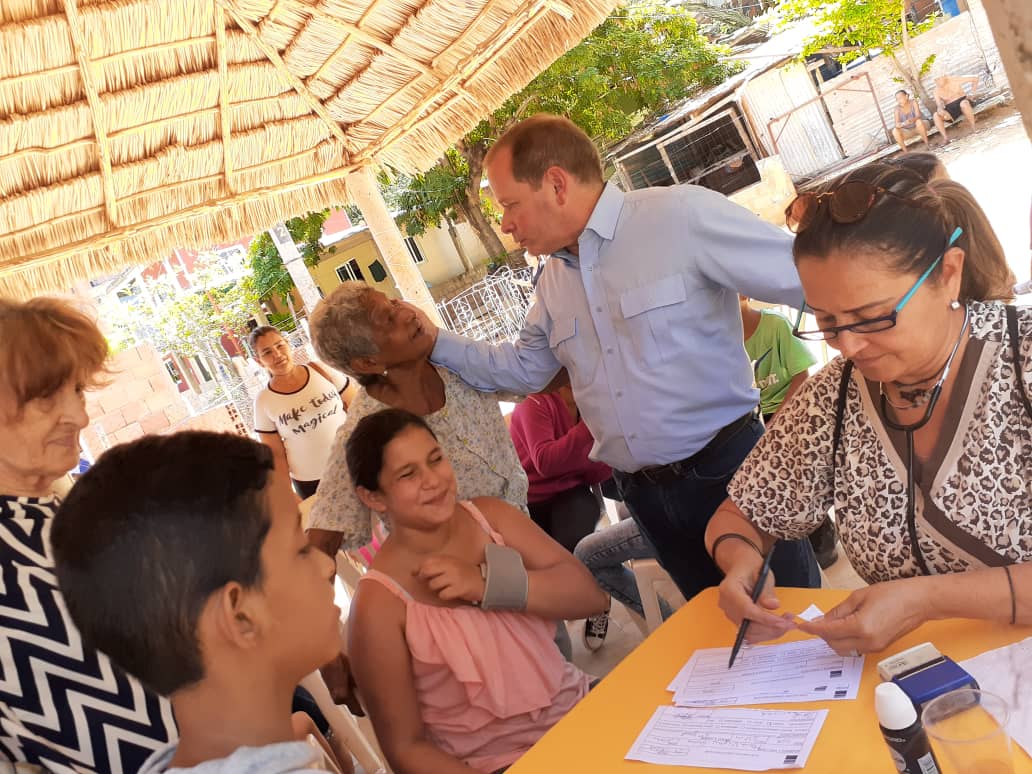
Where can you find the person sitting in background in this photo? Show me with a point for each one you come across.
(182, 556)
(456, 673)
(299, 412)
(908, 120)
(927, 416)
(604, 553)
(553, 444)
(924, 164)
(63, 705)
(952, 101)
(780, 364)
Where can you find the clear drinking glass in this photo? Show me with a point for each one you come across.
(968, 732)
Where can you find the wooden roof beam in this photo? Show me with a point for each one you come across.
(115, 57)
(298, 85)
(19, 264)
(470, 28)
(96, 110)
(225, 117)
(356, 32)
(528, 13)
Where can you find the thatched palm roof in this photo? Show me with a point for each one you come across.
(128, 127)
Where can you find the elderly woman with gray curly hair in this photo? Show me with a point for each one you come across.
(385, 345)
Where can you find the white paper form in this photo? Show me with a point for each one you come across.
(767, 674)
(744, 739)
(811, 613)
(1007, 672)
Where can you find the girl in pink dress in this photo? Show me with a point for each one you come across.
(451, 686)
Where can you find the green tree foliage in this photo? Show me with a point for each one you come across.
(271, 277)
(854, 29)
(637, 63)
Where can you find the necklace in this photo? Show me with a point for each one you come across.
(927, 397)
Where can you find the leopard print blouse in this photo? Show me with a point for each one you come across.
(974, 498)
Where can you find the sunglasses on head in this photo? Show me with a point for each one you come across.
(849, 203)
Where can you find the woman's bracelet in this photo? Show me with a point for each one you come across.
(1014, 597)
(732, 536)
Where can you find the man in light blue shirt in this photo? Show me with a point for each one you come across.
(640, 303)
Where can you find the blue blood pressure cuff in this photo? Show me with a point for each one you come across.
(924, 673)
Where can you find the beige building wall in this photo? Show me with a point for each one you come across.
(361, 248)
(441, 261)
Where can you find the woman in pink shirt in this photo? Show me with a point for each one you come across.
(456, 672)
(553, 444)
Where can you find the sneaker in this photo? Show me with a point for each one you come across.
(595, 630)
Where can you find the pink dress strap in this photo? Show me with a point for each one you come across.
(479, 518)
(386, 580)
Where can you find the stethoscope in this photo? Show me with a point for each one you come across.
(909, 430)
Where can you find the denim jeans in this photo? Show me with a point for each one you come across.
(673, 517)
(604, 553)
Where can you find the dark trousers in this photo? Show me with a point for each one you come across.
(673, 516)
(568, 516)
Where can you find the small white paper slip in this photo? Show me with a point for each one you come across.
(808, 670)
(743, 739)
(1007, 672)
(811, 613)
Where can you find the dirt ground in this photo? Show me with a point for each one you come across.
(995, 163)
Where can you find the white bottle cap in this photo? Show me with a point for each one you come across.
(894, 709)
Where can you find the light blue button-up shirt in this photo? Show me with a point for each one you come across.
(646, 320)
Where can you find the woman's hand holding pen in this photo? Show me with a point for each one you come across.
(736, 597)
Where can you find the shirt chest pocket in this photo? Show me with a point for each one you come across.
(651, 313)
(572, 345)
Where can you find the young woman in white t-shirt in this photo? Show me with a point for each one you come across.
(297, 415)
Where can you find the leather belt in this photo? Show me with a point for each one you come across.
(672, 471)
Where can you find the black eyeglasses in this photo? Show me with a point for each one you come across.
(876, 324)
(849, 203)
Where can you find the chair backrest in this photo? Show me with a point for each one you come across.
(649, 575)
(345, 727)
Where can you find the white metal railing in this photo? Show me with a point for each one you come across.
(493, 309)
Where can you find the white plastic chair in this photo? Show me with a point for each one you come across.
(346, 727)
(650, 576)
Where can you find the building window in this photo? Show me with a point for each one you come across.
(349, 272)
(414, 251)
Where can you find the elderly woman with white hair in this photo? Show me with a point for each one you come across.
(385, 346)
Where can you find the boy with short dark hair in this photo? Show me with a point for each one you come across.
(182, 557)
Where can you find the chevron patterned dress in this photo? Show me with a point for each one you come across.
(63, 705)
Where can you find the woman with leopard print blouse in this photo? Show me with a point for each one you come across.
(920, 436)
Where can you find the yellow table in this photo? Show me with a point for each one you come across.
(596, 735)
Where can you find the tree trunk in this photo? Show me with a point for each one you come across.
(467, 265)
(481, 225)
(471, 206)
(913, 80)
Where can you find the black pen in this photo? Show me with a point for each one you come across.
(757, 590)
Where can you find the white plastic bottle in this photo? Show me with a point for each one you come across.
(903, 732)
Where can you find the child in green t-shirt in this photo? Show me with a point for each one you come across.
(780, 366)
(780, 360)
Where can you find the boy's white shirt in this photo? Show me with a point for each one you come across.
(281, 758)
